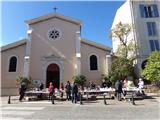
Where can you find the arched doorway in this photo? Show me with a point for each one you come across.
(53, 75)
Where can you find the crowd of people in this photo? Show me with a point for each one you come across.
(72, 90)
(119, 92)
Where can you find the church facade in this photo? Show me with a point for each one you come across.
(53, 52)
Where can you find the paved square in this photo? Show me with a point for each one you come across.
(147, 109)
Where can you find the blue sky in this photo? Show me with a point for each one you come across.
(97, 17)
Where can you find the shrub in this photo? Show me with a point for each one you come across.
(21, 79)
(104, 77)
(80, 79)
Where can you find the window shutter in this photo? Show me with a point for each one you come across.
(142, 11)
(155, 9)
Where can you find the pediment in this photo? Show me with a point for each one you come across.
(53, 15)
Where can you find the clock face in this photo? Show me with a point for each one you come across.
(54, 34)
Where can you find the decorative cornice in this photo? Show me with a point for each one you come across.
(14, 45)
(97, 45)
(53, 15)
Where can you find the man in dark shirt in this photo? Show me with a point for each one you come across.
(22, 90)
(118, 89)
(74, 92)
(68, 90)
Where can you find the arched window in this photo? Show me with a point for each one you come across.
(12, 64)
(93, 62)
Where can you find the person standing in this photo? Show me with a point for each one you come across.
(40, 95)
(68, 91)
(74, 92)
(51, 90)
(61, 90)
(41, 86)
(141, 83)
(118, 89)
(125, 83)
(22, 90)
(141, 86)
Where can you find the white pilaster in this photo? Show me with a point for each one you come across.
(27, 55)
(78, 53)
(108, 63)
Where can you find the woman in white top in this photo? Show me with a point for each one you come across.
(141, 83)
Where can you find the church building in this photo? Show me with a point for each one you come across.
(53, 52)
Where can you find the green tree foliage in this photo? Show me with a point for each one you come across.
(152, 68)
(112, 76)
(80, 79)
(121, 68)
(122, 65)
(21, 79)
(127, 47)
(104, 77)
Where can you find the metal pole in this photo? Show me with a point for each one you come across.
(133, 99)
(9, 100)
(104, 95)
(52, 99)
(80, 98)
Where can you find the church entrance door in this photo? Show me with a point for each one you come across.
(53, 75)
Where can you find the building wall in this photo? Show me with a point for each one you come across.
(86, 52)
(44, 51)
(140, 32)
(8, 79)
(141, 27)
(64, 48)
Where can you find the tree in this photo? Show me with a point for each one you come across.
(80, 79)
(21, 79)
(104, 77)
(152, 69)
(112, 76)
(121, 68)
(122, 65)
(127, 47)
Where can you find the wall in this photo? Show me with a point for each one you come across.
(63, 48)
(8, 79)
(142, 31)
(86, 52)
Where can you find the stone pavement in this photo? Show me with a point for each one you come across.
(146, 109)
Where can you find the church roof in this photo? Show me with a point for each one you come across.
(85, 41)
(14, 45)
(91, 43)
(53, 15)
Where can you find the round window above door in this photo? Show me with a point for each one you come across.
(54, 34)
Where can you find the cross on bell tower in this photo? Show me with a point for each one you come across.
(55, 9)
